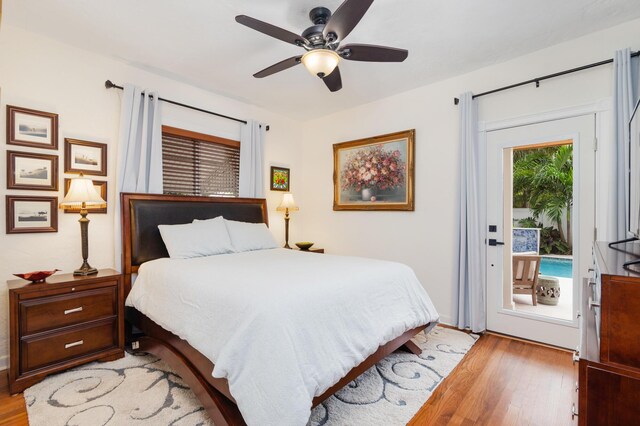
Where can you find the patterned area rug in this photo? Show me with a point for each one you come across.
(142, 390)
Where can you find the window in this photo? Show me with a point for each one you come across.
(199, 164)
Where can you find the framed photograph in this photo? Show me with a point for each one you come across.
(27, 170)
(89, 158)
(375, 173)
(28, 127)
(101, 188)
(280, 178)
(26, 214)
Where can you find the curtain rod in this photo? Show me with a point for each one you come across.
(111, 85)
(546, 77)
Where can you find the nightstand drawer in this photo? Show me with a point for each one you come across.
(48, 313)
(43, 351)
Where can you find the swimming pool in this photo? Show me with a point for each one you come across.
(555, 267)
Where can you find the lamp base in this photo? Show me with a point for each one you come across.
(85, 270)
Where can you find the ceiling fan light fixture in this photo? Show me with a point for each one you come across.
(320, 62)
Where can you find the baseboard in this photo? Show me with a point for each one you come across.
(445, 320)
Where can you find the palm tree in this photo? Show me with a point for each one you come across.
(543, 179)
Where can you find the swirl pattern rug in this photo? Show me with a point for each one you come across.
(142, 390)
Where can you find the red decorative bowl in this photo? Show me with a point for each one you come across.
(36, 276)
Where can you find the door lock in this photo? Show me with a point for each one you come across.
(494, 242)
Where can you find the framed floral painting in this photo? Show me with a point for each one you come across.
(375, 173)
(280, 178)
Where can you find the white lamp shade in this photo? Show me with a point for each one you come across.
(82, 191)
(287, 203)
(320, 61)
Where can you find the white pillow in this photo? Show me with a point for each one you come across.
(201, 238)
(250, 236)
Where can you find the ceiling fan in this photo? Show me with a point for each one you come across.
(322, 42)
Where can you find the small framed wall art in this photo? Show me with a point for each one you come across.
(28, 127)
(27, 170)
(280, 179)
(375, 173)
(101, 188)
(89, 158)
(27, 214)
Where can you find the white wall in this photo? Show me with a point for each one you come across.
(426, 239)
(39, 73)
(524, 213)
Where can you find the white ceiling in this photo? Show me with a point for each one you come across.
(198, 41)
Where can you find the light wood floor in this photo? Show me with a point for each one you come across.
(500, 382)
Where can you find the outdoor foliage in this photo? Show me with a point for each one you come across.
(543, 182)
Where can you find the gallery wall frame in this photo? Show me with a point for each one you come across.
(31, 214)
(32, 128)
(33, 171)
(85, 157)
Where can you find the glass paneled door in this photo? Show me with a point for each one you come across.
(540, 214)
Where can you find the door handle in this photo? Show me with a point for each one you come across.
(494, 242)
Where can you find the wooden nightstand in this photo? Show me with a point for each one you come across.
(62, 323)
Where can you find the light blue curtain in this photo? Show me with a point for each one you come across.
(139, 165)
(625, 95)
(471, 306)
(252, 137)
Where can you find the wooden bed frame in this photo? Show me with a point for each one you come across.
(141, 242)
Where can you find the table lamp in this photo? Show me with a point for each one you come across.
(287, 205)
(83, 194)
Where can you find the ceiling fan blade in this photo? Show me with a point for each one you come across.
(271, 30)
(333, 80)
(372, 53)
(345, 18)
(280, 66)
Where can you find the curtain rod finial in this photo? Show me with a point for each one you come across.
(109, 84)
(456, 101)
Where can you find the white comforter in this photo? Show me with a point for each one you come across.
(281, 326)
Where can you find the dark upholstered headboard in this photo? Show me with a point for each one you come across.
(142, 213)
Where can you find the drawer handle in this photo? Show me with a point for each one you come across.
(593, 304)
(574, 413)
(73, 344)
(71, 311)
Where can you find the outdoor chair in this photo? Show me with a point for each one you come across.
(525, 275)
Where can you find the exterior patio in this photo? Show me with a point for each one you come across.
(563, 310)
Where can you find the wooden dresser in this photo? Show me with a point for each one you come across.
(62, 323)
(609, 367)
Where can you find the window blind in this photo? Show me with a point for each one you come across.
(197, 167)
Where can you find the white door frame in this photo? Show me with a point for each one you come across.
(596, 109)
(578, 145)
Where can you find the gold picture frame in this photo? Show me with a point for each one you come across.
(375, 173)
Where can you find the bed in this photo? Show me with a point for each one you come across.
(161, 318)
